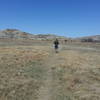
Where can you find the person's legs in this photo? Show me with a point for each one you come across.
(56, 48)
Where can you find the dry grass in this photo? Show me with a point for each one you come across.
(77, 76)
(21, 72)
(74, 73)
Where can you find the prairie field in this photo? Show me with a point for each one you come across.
(33, 71)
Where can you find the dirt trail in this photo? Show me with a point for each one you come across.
(46, 92)
(50, 89)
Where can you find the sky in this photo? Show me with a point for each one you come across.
(70, 18)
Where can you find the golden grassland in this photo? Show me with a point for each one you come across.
(21, 72)
(73, 73)
(77, 75)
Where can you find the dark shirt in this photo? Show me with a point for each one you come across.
(56, 43)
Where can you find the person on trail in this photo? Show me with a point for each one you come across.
(56, 43)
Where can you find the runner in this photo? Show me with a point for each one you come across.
(56, 43)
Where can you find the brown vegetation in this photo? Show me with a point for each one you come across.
(35, 72)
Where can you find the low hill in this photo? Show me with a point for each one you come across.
(14, 33)
(17, 34)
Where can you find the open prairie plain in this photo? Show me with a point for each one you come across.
(31, 70)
